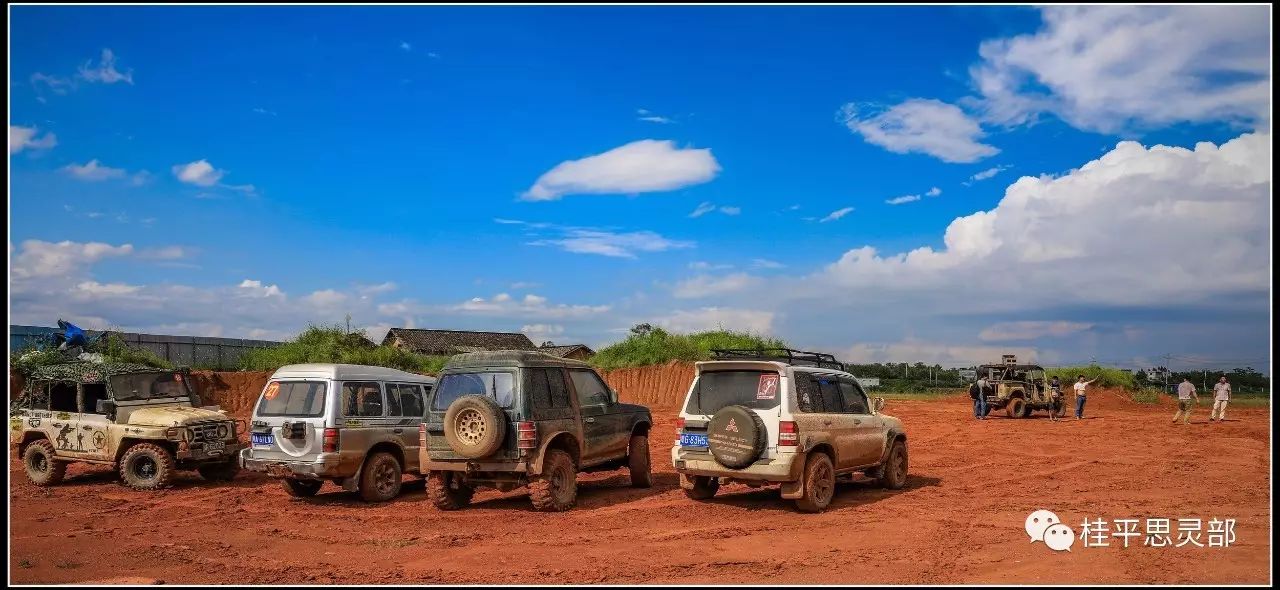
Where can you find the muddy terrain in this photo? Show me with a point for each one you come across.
(959, 519)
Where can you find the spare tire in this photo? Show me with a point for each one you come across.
(474, 426)
(736, 436)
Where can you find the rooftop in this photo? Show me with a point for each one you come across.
(511, 358)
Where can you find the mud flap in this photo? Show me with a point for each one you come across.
(792, 490)
(352, 484)
(686, 482)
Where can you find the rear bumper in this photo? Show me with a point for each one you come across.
(476, 466)
(326, 466)
(783, 467)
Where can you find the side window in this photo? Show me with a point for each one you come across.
(411, 401)
(591, 390)
(393, 398)
(362, 399)
(829, 390)
(92, 393)
(536, 388)
(855, 402)
(558, 388)
(807, 395)
(62, 397)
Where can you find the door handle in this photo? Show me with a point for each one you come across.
(397, 430)
(589, 420)
(857, 422)
(826, 423)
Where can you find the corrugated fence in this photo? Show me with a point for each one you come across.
(192, 351)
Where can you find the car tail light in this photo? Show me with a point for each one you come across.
(679, 429)
(526, 435)
(788, 434)
(422, 435)
(330, 440)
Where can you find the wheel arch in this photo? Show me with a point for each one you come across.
(564, 441)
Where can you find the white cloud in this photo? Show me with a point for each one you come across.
(903, 199)
(933, 192)
(707, 207)
(93, 171)
(837, 214)
(405, 45)
(540, 333)
(327, 298)
(651, 117)
(24, 138)
(1109, 68)
(38, 258)
(105, 72)
(96, 289)
(715, 318)
(920, 125)
(610, 243)
(946, 355)
(367, 290)
(262, 111)
(707, 286)
(525, 285)
(766, 263)
(730, 210)
(254, 288)
(1031, 330)
(985, 174)
(703, 265)
(55, 84)
(199, 173)
(642, 166)
(530, 307)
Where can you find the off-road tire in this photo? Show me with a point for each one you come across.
(736, 436)
(147, 466)
(221, 471)
(443, 495)
(638, 462)
(704, 487)
(819, 484)
(556, 488)
(380, 478)
(42, 468)
(301, 488)
(893, 474)
(1017, 408)
(474, 426)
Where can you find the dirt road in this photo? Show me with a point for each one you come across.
(959, 520)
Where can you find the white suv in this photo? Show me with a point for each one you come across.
(783, 416)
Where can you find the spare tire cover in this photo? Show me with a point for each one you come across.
(474, 426)
(736, 436)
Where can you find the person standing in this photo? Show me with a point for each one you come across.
(1187, 399)
(1081, 387)
(980, 398)
(1055, 395)
(1221, 395)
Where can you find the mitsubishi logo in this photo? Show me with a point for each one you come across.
(731, 426)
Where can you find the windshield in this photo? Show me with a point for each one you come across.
(757, 390)
(496, 386)
(292, 398)
(144, 386)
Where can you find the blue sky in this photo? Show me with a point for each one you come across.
(543, 169)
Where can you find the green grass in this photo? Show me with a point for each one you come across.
(658, 346)
(929, 394)
(1146, 395)
(113, 348)
(1106, 377)
(1248, 401)
(326, 344)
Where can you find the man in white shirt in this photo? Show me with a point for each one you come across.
(1221, 395)
(1187, 399)
(1081, 386)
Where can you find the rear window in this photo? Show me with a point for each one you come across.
(497, 386)
(293, 398)
(757, 390)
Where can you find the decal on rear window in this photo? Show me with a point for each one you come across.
(768, 386)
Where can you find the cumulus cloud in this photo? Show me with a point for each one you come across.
(919, 125)
(837, 214)
(642, 166)
(24, 138)
(255, 288)
(93, 171)
(38, 258)
(1109, 68)
(199, 173)
(105, 72)
(715, 318)
(540, 333)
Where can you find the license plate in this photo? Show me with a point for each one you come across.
(693, 440)
(263, 440)
(214, 446)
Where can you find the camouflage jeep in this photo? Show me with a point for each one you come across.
(140, 420)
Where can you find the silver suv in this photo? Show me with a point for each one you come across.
(354, 425)
(783, 416)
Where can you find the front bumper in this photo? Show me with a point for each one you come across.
(197, 452)
(326, 466)
(783, 467)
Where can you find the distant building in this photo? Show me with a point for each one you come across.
(868, 382)
(451, 342)
(579, 352)
(968, 374)
(1157, 374)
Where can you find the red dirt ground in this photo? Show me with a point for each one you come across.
(959, 519)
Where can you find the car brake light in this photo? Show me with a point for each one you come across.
(679, 423)
(422, 435)
(330, 440)
(526, 435)
(788, 434)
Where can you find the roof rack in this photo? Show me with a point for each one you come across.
(785, 355)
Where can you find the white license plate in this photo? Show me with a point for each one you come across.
(216, 446)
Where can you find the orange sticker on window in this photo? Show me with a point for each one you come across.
(177, 377)
(768, 387)
(273, 389)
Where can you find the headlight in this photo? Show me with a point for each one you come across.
(223, 431)
(171, 434)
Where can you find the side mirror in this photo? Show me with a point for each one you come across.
(613, 397)
(106, 407)
(878, 404)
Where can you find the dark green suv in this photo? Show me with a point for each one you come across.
(506, 419)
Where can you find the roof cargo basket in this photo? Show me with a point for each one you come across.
(783, 355)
